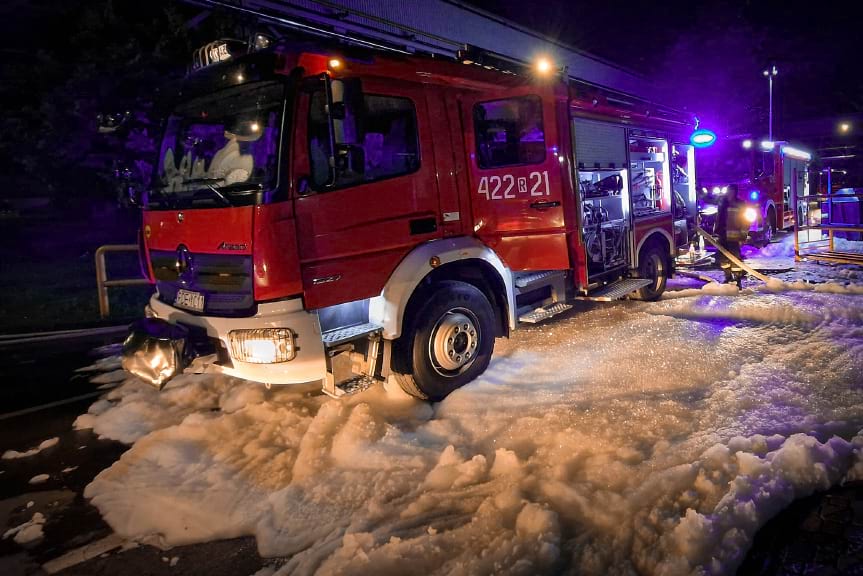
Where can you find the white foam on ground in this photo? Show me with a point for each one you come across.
(629, 438)
(14, 454)
(786, 275)
(28, 532)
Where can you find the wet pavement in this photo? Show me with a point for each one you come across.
(42, 395)
(817, 536)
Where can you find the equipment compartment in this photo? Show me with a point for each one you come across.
(604, 208)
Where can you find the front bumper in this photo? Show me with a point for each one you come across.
(309, 365)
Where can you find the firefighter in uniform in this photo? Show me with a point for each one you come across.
(731, 231)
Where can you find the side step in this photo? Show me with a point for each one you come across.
(353, 386)
(616, 290)
(530, 280)
(544, 313)
(342, 335)
(341, 379)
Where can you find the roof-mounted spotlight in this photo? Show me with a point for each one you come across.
(544, 65)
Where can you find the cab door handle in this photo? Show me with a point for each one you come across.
(544, 205)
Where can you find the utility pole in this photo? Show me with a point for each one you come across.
(770, 73)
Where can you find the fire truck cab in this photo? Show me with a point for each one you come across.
(340, 216)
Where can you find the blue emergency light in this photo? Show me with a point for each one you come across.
(702, 138)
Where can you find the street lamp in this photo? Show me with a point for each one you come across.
(845, 127)
(770, 73)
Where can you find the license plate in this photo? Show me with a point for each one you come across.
(189, 300)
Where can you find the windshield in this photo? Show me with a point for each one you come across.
(723, 163)
(221, 149)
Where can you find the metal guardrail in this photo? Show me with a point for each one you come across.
(102, 282)
(810, 241)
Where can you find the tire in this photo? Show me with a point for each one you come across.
(770, 228)
(653, 265)
(436, 354)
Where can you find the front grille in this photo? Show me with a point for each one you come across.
(225, 280)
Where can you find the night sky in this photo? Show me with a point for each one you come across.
(705, 55)
(815, 45)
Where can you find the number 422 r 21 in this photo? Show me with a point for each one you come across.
(508, 187)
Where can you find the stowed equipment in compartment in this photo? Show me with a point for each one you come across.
(604, 206)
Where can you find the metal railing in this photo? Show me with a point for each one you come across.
(102, 282)
(815, 230)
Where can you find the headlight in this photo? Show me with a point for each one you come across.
(263, 346)
(750, 214)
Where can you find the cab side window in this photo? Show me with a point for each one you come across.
(509, 132)
(376, 139)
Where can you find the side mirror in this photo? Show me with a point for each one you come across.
(350, 159)
(338, 111)
(343, 156)
(303, 186)
(132, 195)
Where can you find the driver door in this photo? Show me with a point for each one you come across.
(382, 201)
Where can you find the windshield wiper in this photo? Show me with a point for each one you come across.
(237, 187)
(215, 191)
(208, 185)
(240, 187)
(223, 193)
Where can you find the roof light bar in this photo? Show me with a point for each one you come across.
(796, 153)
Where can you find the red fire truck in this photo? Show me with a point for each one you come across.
(768, 175)
(340, 216)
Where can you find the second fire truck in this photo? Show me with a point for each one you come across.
(339, 215)
(769, 175)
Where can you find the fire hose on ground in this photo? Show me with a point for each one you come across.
(731, 257)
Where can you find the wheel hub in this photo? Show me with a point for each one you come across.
(455, 341)
(655, 268)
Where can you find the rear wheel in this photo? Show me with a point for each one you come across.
(770, 227)
(448, 344)
(653, 266)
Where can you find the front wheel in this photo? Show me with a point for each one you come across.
(653, 266)
(448, 343)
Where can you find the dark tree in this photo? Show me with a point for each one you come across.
(69, 65)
